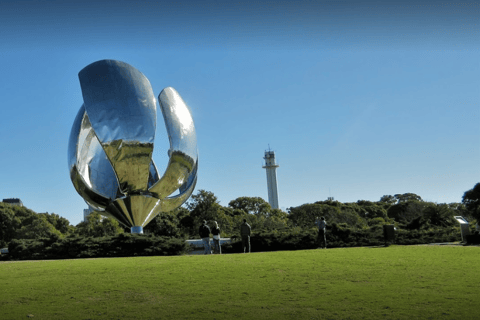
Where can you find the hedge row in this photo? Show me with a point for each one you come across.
(473, 238)
(338, 237)
(123, 245)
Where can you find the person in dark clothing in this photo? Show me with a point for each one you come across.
(216, 239)
(245, 230)
(204, 232)
(322, 239)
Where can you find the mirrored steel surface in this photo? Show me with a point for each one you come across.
(183, 143)
(112, 140)
(121, 106)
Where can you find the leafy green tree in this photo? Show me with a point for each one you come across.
(225, 221)
(460, 209)
(234, 212)
(187, 225)
(278, 214)
(277, 219)
(388, 199)
(405, 212)
(60, 223)
(9, 224)
(202, 201)
(25, 215)
(38, 228)
(167, 223)
(439, 215)
(433, 216)
(376, 221)
(371, 210)
(98, 226)
(251, 205)
(471, 200)
(205, 206)
(304, 216)
(330, 202)
(18, 222)
(349, 215)
(407, 197)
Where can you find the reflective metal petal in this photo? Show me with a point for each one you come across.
(183, 143)
(90, 170)
(186, 191)
(111, 145)
(93, 164)
(120, 103)
(179, 122)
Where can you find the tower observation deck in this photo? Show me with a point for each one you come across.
(271, 167)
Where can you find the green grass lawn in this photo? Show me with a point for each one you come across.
(411, 282)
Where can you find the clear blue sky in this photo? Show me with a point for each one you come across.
(358, 99)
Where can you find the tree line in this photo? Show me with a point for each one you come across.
(407, 211)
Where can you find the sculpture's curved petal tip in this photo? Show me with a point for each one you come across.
(183, 151)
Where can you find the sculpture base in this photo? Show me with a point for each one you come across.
(136, 230)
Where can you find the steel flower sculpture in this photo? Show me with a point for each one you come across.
(111, 144)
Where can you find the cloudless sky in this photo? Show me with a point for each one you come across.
(358, 99)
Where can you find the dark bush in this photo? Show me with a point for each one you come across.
(122, 245)
(473, 239)
(339, 235)
(437, 235)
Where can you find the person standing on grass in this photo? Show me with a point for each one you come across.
(245, 233)
(204, 232)
(216, 238)
(322, 238)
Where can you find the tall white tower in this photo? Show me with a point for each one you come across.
(271, 167)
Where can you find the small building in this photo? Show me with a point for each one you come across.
(86, 212)
(13, 201)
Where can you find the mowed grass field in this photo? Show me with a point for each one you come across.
(398, 282)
